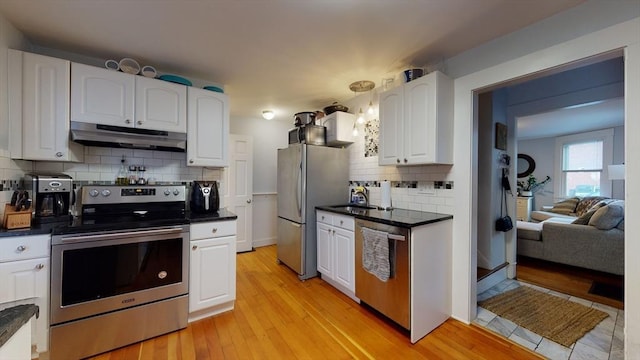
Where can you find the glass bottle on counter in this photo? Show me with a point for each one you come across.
(121, 178)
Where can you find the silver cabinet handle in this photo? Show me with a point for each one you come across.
(194, 247)
(405, 161)
(127, 121)
(341, 222)
(139, 122)
(59, 154)
(191, 161)
(214, 230)
(40, 266)
(398, 161)
(21, 248)
(248, 201)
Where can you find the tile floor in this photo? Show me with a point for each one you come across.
(604, 342)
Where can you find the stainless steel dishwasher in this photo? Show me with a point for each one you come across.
(390, 297)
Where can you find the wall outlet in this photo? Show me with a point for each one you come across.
(427, 188)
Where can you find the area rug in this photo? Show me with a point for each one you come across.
(607, 290)
(557, 319)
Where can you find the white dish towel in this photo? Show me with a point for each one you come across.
(375, 253)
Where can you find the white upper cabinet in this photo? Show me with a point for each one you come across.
(107, 97)
(101, 96)
(208, 128)
(40, 102)
(416, 122)
(160, 105)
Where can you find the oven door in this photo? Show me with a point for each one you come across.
(96, 273)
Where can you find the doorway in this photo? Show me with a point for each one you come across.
(495, 106)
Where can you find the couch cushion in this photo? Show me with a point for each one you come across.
(539, 215)
(621, 225)
(587, 203)
(607, 217)
(566, 206)
(584, 218)
(528, 230)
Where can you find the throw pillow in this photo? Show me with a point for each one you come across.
(584, 218)
(587, 203)
(607, 217)
(566, 206)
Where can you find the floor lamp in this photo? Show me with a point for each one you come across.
(616, 172)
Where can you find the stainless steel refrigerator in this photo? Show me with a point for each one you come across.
(308, 176)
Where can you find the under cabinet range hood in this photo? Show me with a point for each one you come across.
(124, 137)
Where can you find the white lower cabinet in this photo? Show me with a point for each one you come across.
(336, 251)
(212, 274)
(24, 279)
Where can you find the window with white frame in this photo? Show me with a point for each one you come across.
(581, 164)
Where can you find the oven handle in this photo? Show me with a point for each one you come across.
(83, 238)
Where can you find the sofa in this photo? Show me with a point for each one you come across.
(584, 232)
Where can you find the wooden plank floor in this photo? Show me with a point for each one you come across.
(566, 279)
(279, 317)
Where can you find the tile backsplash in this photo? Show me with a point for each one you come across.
(101, 165)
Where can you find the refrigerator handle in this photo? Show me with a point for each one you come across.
(299, 190)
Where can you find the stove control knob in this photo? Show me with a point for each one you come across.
(167, 192)
(106, 192)
(94, 193)
(176, 192)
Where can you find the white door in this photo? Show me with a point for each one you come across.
(160, 105)
(45, 109)
(325, 252)
(213, 270)
(391, 111)
(239, 182)
(419, 127)
(101, 96)
(208, 128)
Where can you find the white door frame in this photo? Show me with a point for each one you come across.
(625, 36)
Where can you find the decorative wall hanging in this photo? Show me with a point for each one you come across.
(501, 136)
(371, 137)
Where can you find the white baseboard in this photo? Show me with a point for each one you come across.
(264, 242)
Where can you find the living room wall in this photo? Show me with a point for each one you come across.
(542, 151)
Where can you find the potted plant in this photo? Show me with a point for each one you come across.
(531, 185)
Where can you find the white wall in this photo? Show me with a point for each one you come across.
(542, 152)
(268, 137)
(544, 45)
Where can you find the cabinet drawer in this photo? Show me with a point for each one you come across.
(324, 217)
(212, 229)
(344, 222)
(24, 247)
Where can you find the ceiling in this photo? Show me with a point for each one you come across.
(284, 55)
(573, 119)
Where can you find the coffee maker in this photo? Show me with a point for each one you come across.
(52, 196)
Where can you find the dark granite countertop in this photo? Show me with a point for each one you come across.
(221, 215)
(59, 228)
(12, 319)
(395, 217)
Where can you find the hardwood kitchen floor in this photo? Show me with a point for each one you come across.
(279, 317)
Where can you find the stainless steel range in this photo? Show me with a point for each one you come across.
(119, 272)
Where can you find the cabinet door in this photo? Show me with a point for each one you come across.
(25, 279)
(208, 128)
(160, 105)
(45, 110)
(419, 121)
(344, 255)
(325, 248)
(391, 112)
(101, 96)
(212, 276)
